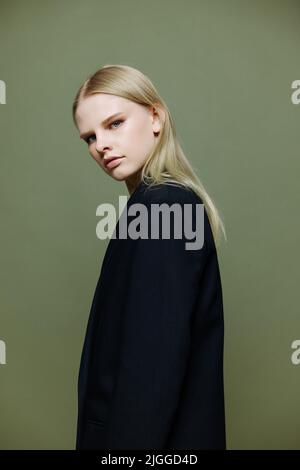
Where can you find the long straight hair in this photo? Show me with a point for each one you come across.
(167, 162)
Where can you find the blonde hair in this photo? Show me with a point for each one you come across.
(167, 161)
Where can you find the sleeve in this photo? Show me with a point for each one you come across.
(156, 342)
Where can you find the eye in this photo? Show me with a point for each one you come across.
(118, 120)
(87, 139)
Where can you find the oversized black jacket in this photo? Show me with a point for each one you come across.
(151, 371)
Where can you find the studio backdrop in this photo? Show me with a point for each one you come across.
(229, 72)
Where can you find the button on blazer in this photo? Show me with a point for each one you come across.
(151, 370)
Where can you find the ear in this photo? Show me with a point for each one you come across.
(157, 118)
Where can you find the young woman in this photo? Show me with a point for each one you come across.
(151, 371)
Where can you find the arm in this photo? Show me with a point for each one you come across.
(156, 339)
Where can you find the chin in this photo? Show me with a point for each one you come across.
(118, 175)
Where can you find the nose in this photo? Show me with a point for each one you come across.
(100, 147)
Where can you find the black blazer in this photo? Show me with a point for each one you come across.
(151, 371)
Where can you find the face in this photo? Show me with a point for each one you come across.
(129, 134)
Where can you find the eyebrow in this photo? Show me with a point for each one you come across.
(86, 134)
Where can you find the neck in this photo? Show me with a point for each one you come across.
(133, 182)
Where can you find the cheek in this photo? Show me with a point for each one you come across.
(95, 156)
(141, 143)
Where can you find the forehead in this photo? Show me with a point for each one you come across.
(101, 105)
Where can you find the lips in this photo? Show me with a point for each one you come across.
(109, 159)
(111, 162)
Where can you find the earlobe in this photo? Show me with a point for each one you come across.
(157, 121)
(156, 115)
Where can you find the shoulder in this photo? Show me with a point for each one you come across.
(176, 197)
(169, 193)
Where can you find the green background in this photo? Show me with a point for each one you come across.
(225, 69)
